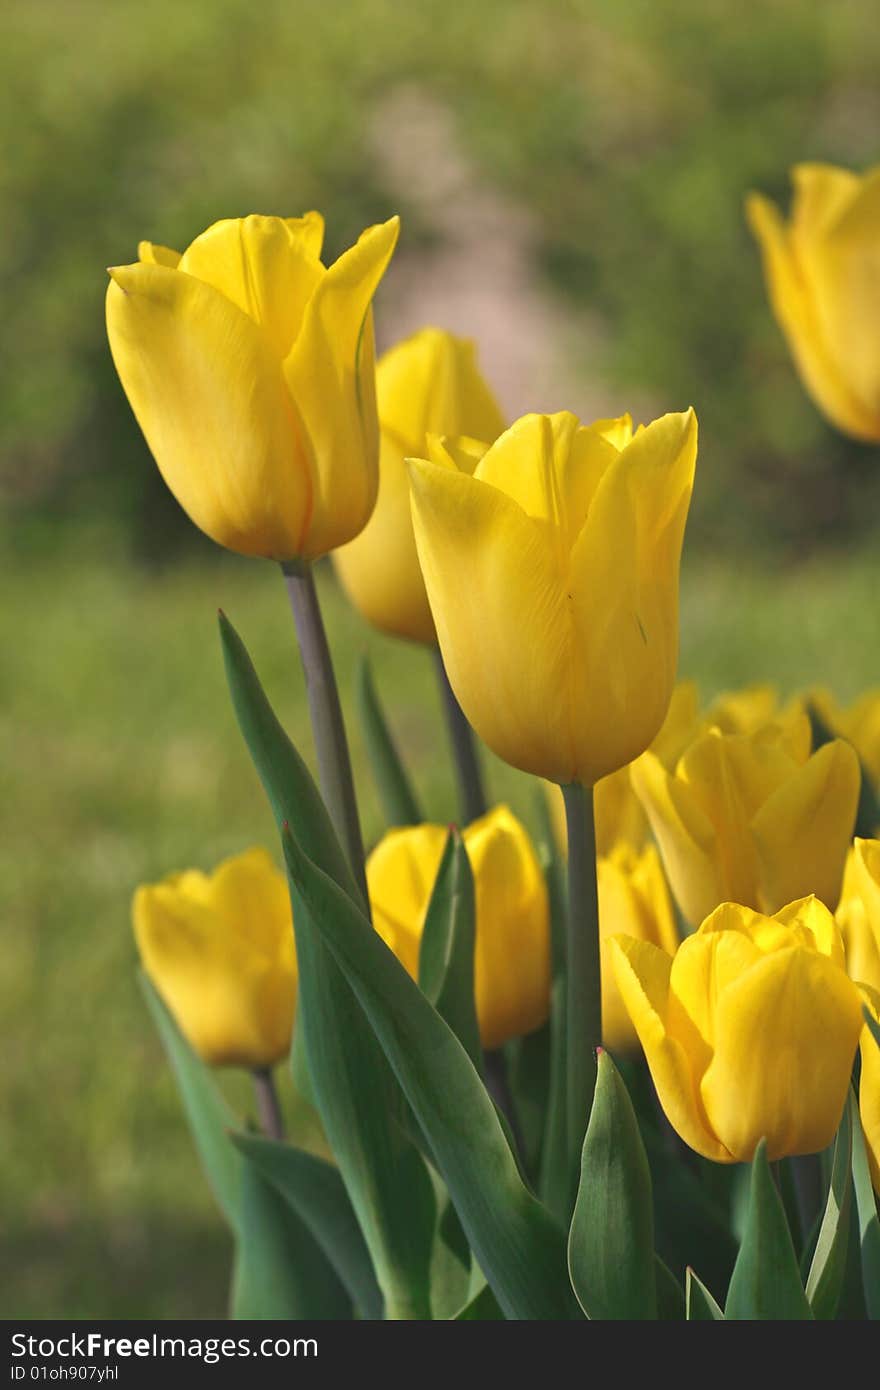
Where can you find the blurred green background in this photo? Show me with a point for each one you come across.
(571, 179)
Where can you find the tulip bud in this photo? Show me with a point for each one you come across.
(823, 277)
(250, 369)
(552, 573)
(752, 818)
(750, 1031)
(633, 901)
(512, 946)
(428, 384)
(220, 950)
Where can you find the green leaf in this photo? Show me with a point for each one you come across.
(315, 1192)
(611, 1242)
(355, 1092)
(670, 1295)
(828, 1266)
(451, 1261)
(280, 1270)
(866, 1207)
(396, 796)
(210, 1118)
(517, 1244)
(446, 952)
(766, 1281)
(483, 1307)
(701, 1306)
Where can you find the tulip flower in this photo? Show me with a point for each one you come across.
(858, 722)
(219, 948)
(429, 384)
(858, 912)
(869, 1086)
(752, 818)
(750, 1031)
(823, 277)
(250, 369)
(633, 901)
(552, 573)
(512, 946)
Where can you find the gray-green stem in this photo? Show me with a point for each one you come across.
(268, 1108)
(328, 728)
(469, 778)
(583, 989)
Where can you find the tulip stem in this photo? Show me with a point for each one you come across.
(471, 794)
(583, 1015)
(268, 1108)
(328, 727)
(498, 1086)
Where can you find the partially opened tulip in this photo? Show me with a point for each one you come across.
(633, 901)
(250, 368)
(750, 1031)
(752, 818)
(512, 947)
(858, 912)
(822, 269)
(428, 384)
(552, 572)
(219, 948)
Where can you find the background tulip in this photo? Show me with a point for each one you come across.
(428, 384)
(634, 901)
(823, 276)
(512, 951)
(869, 1086)
(752, 818)
(220, 950)
(552, 573)
(250, 369)
(858, 722)
(750, 1031)
(858, 913)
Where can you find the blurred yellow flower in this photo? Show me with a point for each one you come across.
(633, 900)
(869, 1086)
(512, 950)
(552, 573)
(428, 384)
(858, 722)
(858, 913)
(752, 818)
(219, 948)
(823, 277)
(750, 1031)
(250, 369)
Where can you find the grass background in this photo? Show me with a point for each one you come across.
(609, 144)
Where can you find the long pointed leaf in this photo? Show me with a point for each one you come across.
(517, 1244)
(866, 1206)
(828, 1266)
(396, 795)
(446, 951)
(766, 1281)
(701, 1306)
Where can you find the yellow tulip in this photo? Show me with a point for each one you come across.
(752, 818)
(858, 912)
(512, 948)
(823, 277)
(219, 948)
(750, 1031)
(429, 384)
(552, 574)
(633, 901)
(858, 722)
(250, 369)
(869, 1086)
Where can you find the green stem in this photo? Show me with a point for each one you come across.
(268, 1107)
(328, 728)
(584, 993)
(471, 793)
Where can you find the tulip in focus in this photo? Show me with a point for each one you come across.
(822, 269)
(512, 949)
(250, 368)
(750, 1031)
(752, 818)
(858, 913)
(552, 573)
(428, 384)
(633, 901)
(219, 948)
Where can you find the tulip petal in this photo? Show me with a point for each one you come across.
(802, 831)
(869, 1086)
(799, 1011)
(211, 402)
(821, 193)
(797, 316)
(330, 372)
(268, 266)
(401, 872)
(642, 972)
(501, 617)
(151, 253)
(813, 918)
(431, 384)
(685, 835)
(704, 965)
(623, 583)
